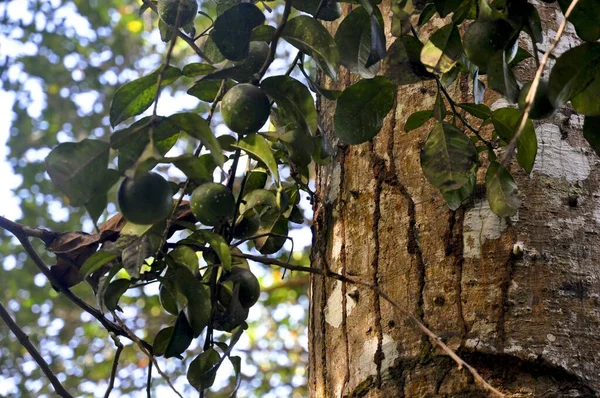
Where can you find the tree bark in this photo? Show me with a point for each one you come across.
(518, 298)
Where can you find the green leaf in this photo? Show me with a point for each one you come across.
(585, 17)
(218, 244)
(197, 69)
(502, 190)
(588, 101)
(445, 7)
(197, 127)
(439, 108)
(353, 40)
(294, 101)
(442, 50)
(480, 111)
(199, 169)
(505, 122)
(161, 340)
(361, 109)
(309, 36)
(97, 204)
(134, 254)
(114, 291)
(232, 30)
(448, 158)
(201, 373)
(330, 11)
(95, 262)
(135, 97)
(417, 119)
(272, 244)
(426, 15)
(181, 338)
(501, 77)
(197, 309)
(79, 168)
(520, 56)
(246, 69)
(455, 198)
(256, 145)
(263, 33)
(236, 362)
(206, 89)
(573, 72)
(403, 62)
(591, 132)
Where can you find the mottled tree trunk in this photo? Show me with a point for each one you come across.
(519, 298)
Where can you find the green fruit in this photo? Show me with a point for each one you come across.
(484, 38)
(167, 10)
(246, 227)
(212, 204)
(245, 108)
(146, 199)
(249, 286)
(542, 105)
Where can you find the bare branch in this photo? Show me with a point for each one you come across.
(24, 340)
(510, 150)
(432, 336)
(284, 17)
(113, 373)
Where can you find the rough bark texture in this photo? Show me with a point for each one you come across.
(528, 322)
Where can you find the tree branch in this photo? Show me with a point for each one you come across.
(113, 373)
(342, 278)
(24, 340)
(510, 150)
(284, 17)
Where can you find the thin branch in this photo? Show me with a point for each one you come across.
(510, 150)
(149, 381)
(343, 278)
(115, 366)
(21, 233)
(278, 32)
(24, 340)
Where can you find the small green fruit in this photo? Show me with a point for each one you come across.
(245, 108)
(249, 286)
(542, 105)
(212, 204)
(146, 199)
(167, 10)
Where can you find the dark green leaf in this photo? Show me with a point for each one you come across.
(99, 200)
(135, 97)
(573, 72)
(294, 102)
(330, 11)
(445, 7)
(442, 50)
(197, 310)
(378, 46)
(309, 36)
(79, 168)
(134, 254)
(520, 56)
(197, 69)
(181, 338)
(591, 132)
(480, 111)
(232, 30)
(197, 127)
(448, 158)
(426, 14)
(361, 109)
(455, 198)
(502, 190)
(218, 244)
(263, 33)
(206, 90)
(439, 108)
(353, 40)
(403, 63)
(505, 122)
(95, 262)
(201, 373)
(256, 145)
(114, 291)
(161, 340)
(588, 101)
(199, 169)
(585, 17)
(236, 362)
(501, 77)
(417, 119)
(246, 69)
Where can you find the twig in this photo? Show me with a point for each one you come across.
(278, 32)
(115, 366)
(22, 234)
(510, 149)
(343, 278)
(149, 381)
(146, 351)
(24, 340)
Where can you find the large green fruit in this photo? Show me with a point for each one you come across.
(542, 105)
(484, 38)
(212, 204)
(167, 10)
(146, 199)
(245, 108)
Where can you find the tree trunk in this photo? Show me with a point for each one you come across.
(518, 298)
